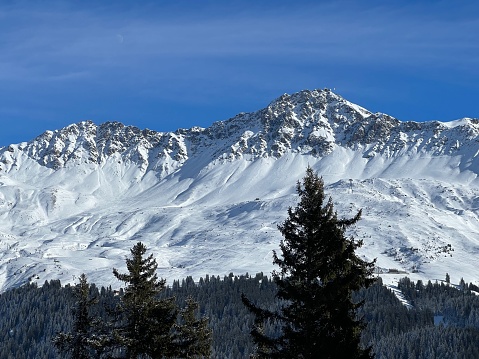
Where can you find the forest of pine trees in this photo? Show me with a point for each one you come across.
(31, 316)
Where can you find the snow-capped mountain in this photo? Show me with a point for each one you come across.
(207, 201)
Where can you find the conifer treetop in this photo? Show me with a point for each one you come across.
(141, 272)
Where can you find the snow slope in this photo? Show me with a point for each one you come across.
(207, 201)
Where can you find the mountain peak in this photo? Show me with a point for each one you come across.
(83, 142)
(309, 121)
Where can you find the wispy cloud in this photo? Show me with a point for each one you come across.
(63, 41)
(95, 55)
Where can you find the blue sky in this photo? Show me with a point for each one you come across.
(169, 64)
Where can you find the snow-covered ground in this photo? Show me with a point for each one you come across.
(224, 220)
(212, 213)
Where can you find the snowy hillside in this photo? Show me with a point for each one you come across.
(207, 201)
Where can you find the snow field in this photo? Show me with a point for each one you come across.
(210, 215)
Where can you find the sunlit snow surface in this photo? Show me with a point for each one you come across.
(419, 216)
(208, 201)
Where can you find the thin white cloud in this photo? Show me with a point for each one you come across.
(49, 43)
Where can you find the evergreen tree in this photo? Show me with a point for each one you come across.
(319, 271)
(150, 327)
(30, 317)
(192, 337)
(81, 342)
(147, 319)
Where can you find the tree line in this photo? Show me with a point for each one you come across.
(31, 316)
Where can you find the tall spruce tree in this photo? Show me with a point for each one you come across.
(154, 327)
(148, 320)
(81, 342)
(319, 271)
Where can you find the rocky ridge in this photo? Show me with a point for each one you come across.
(308, 122)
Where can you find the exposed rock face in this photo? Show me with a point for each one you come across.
(309, 122)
